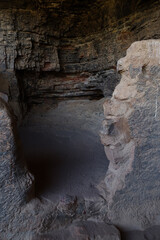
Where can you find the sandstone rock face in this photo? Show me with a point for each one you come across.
(131, 138)
(38, 88)
(42, 39)
(15, 182)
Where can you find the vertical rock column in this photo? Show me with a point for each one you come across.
(15, 182)
(131, 137)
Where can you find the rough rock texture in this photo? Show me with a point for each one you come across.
(64, 153)
(62, 49)
(58, 86)
(69, 39)
(83, 230)
(72, 194)
(24, 44)
(131, 138)
(15, 182)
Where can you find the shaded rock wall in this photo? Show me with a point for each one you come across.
(69, 49)
(24, 45)
(66, 38)
(48, 85)
(15, 182)
(131, 139)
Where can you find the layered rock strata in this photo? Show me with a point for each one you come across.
(74, 39)
(59, 86)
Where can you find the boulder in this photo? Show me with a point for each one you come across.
(131, 138)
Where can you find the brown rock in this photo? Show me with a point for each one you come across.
(131, 138)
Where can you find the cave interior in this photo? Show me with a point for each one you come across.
(58, 66)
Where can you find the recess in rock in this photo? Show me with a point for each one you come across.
(79, 119)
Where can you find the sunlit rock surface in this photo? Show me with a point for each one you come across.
(131, 138)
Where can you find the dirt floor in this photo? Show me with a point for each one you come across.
(63, 149)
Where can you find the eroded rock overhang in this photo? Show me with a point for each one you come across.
(70, 42)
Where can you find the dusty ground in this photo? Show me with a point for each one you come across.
(63, 148)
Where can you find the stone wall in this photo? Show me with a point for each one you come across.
(24, 45)
(73, 41)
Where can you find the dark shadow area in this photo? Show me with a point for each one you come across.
(37, 87)
(64, 162)
(152, 233)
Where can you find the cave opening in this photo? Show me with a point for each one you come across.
(62, 117)
(70, 71)
(63, 149)
(83, 133)
(61, 96)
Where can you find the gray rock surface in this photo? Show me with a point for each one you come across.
(73, 194)
(131, 139)
(46, 38)
(68, 50)
(84, 230)
(40, 87)
(15, 182)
